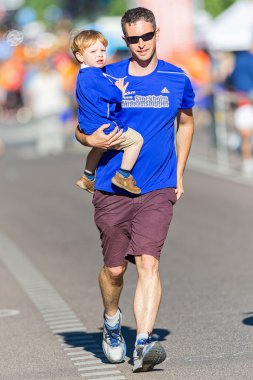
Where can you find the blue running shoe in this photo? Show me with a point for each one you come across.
(113, 345)
(147, 354)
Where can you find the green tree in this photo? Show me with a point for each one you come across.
(88, 9)
(215, 7)
(41, 5)
(116, 8)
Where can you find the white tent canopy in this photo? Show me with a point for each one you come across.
(233, 29)
(10, 5)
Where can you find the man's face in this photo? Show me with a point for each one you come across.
(142, 50)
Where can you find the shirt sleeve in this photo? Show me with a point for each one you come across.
(97, 86)
(109, 91)
(188, 95)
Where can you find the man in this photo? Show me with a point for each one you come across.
(134, 228)
(240, 82)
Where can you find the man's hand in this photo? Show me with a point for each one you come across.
(185, 129)
(180, 188)
(99, 139)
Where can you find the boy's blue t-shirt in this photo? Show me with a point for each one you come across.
(151, 104)
(98, 99)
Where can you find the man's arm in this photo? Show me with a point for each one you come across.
(99, 139)
(185, 130)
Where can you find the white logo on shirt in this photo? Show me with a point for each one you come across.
(165, 91)
(130, 92)
(150, 101)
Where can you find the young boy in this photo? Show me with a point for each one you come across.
(99, 99)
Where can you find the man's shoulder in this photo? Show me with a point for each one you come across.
(167, 67)
(116, 68)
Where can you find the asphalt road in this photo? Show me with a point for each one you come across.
(50, 259)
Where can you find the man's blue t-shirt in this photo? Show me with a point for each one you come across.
(151, 103)
(98, 99)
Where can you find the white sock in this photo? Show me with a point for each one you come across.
(112, 320)
(141, 336)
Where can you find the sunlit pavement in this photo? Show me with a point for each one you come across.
(50, 308)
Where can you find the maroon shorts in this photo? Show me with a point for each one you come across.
(132, 226)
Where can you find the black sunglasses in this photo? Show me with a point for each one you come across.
(144, 37)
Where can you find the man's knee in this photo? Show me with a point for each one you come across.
(115, 273)
(147, 265)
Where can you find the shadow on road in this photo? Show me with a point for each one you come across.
(249, 320)
(87, 341)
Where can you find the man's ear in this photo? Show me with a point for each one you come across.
(157, 33)
(79, 57)
(124, 38)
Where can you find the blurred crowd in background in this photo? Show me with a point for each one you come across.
(38, 74)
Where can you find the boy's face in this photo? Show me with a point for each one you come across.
(94, 56)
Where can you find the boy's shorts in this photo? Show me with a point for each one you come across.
(133, 226)
(131, 137)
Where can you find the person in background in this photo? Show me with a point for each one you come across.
(240, 82)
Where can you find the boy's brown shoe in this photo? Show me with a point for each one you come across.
(86, 184)
(127, 183)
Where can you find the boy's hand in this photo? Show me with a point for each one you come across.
(121, 86)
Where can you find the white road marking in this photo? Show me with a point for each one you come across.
(95, 367)
(102, 373)
(88, 357)
(63, 325)
(8, 313)
(69, 330)
(109, 378)
(76, 340)
(54, 310)
(60, 322)
(87, 346)
(61, 318)
(91, 361)
(72, 353)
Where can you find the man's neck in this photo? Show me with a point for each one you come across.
(140, 68)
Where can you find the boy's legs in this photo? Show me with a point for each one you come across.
(86, 182)
(131, 147)
(93, 159)
(130, 155)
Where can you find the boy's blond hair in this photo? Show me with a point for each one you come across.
(85, 39)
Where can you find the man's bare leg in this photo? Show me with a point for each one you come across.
(148, 293)
(147, 299)
(111, 284)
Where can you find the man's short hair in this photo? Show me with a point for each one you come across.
(85, 39)
(133, 15)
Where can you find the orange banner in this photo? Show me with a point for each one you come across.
(174, 17)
